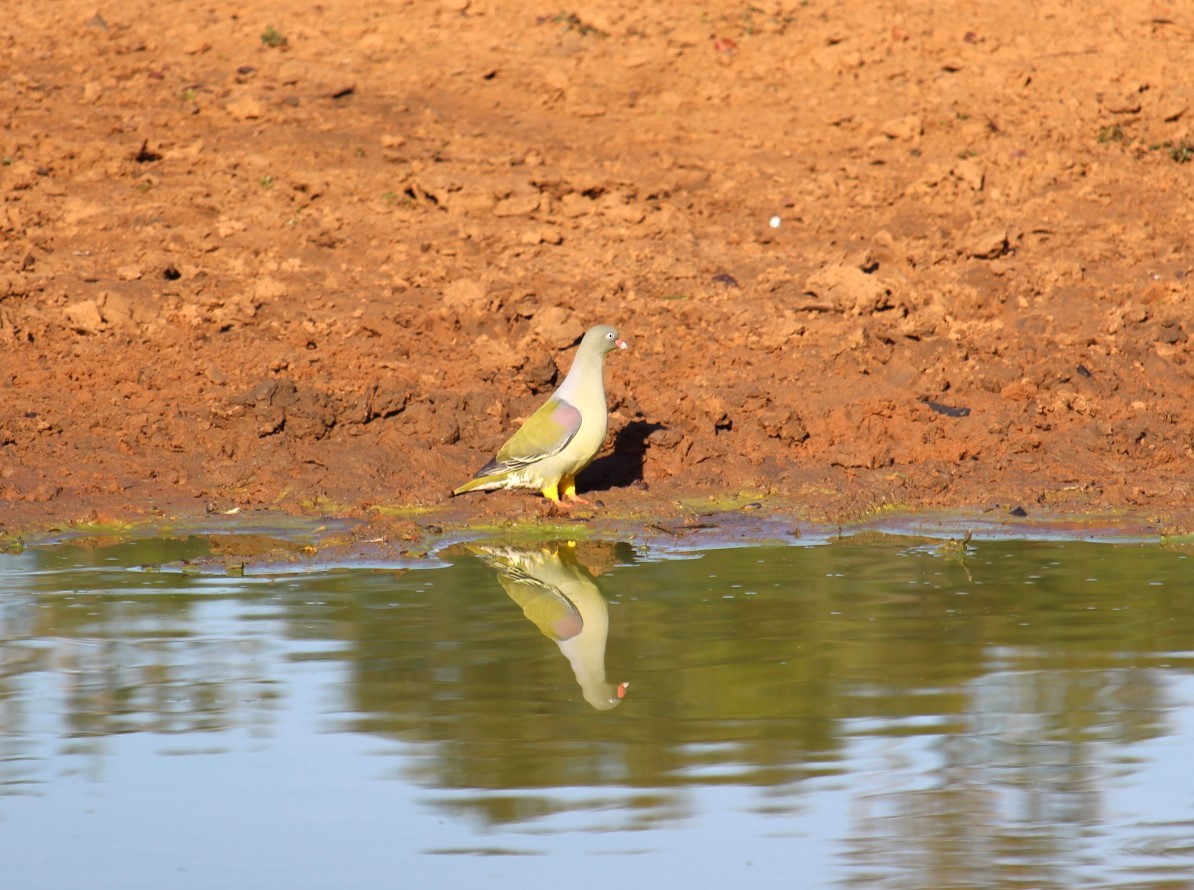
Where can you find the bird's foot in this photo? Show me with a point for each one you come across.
(568, 492)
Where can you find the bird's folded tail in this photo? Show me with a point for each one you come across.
(485, 479)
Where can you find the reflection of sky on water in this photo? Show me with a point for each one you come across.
(370, 729)
(1024, 799)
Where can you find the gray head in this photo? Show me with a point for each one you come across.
(601, 339)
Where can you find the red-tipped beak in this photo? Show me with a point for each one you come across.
(622, 344)
(622, 687)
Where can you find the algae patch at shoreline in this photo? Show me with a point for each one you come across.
(262, 540)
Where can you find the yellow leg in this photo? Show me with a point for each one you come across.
(569, 483)
(551, 492)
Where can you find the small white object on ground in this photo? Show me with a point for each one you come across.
(774, 222)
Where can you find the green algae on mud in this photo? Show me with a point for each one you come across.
(408, 537)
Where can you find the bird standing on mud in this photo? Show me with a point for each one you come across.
(563, 436)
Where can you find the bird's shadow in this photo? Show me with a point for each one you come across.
(625, 465)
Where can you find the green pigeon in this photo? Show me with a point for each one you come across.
(560, 598)
(563, 436)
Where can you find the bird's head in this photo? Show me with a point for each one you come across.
(606, 338)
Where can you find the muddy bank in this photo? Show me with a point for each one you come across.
(322, 259)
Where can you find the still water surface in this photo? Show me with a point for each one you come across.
(875, 712)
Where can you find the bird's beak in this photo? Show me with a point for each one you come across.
(622, 344)
(621, 690)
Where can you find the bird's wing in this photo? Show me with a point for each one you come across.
(540, 600)
(548, 609)
(546, 432)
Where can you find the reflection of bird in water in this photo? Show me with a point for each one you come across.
(560, 598)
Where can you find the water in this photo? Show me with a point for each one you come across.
(882, 713)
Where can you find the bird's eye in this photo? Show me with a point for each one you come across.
(609, 336)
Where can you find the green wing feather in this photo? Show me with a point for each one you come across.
(548, 609)
(546, 432)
